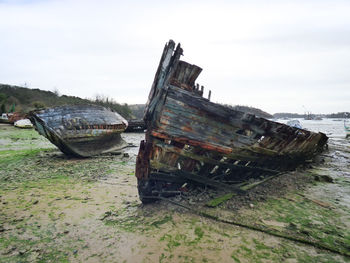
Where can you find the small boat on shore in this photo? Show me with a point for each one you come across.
(23, 124)
(12, 117)
(81, 130)
(190, 139)
(4, 118)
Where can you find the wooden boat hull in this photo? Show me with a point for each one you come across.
(81, 130)
(136, 126)
(190, 139)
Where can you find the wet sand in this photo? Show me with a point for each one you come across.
(59, 209)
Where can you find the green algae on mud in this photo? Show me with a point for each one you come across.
(219, 200)
(303, 218)
(28, 220)
(21, 139)
(39, 190)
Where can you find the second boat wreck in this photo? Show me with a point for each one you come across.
(81, 130)
(190, 139)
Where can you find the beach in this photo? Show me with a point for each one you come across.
(55, 208)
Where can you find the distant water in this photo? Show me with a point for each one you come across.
(333, 128)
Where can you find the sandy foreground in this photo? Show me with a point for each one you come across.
(59, 209)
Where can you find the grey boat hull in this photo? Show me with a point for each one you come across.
(81, 130)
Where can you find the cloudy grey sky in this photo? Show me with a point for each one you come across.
(280, 56)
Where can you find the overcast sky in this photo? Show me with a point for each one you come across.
(280, 56)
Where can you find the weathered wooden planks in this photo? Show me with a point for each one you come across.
(81, 130)
(191, 138)
(136, 125)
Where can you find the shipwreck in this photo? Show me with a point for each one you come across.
(190, 139)
(136, 125)
(81, 130)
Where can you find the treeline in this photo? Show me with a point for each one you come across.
(20, 99)
(341, 115)
(251, 110)
(137, 110)
(122, 109)
(288, 115)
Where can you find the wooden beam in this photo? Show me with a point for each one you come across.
(193, 177)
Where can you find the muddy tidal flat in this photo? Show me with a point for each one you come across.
(59, 209)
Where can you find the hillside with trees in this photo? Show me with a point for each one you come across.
(341, 115)
(251, 110)
(137, 110)
(20, 99)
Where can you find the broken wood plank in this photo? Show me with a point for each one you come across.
(193, 177)
(204, 159)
